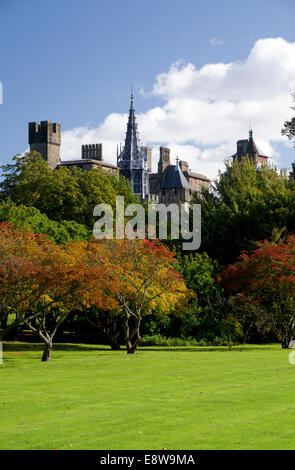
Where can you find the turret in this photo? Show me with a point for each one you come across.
(45, 138)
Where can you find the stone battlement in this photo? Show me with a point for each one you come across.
(92, 151)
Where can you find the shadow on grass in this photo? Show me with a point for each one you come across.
(239, 348)
(25, 347)
(19, 347)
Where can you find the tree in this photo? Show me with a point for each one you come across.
(108, 322)
(30, 219)
(267, 275)
(141, 277)
(245, 204)
(225, 306)
(289, 126)
(19, 274)
(68, 283)
(199, 273)
(63, 288)
(248, 312)
(41, 282)
(289, 131)
(61, 194)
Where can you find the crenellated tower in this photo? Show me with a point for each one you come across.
(45, 138)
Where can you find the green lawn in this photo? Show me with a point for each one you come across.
(89, 397)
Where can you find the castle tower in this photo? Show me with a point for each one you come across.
(133, 160)
(248, 147)
(164, 160)
(45, 138)
(147, 155)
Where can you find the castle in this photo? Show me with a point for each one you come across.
(173, 183)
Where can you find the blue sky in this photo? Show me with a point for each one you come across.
(73, 62)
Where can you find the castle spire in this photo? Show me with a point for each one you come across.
(132, 96)
(251, 148)
(131, 160)
(131, 140)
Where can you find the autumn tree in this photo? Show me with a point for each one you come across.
(19, 274)
(267, 275)
(41, 282)
(141, 277)
(67, 283)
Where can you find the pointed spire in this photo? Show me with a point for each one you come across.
(131, 140)
(131, 159)
(251, 147)
(131, 98)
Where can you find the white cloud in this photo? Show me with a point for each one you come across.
(205, 111)
(216, 42)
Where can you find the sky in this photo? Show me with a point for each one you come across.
(201, 72)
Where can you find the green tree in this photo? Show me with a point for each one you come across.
(30, 218)
(61, 194)
(200, 321)
(289, 126)
(245, 204)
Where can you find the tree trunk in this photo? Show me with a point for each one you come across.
(47, 352)
(113, 333)
(8, 328)
(132, 339)
(286, 340)
(3, 324)
(132, 349)
(108, 324)
(288, 335)
(113, 342)
(245, 336)
(230, 346)
(286, 343)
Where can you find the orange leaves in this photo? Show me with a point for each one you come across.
(269, 268)
(105, 273)
(139, 273)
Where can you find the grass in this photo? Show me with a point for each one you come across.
(89, 397)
